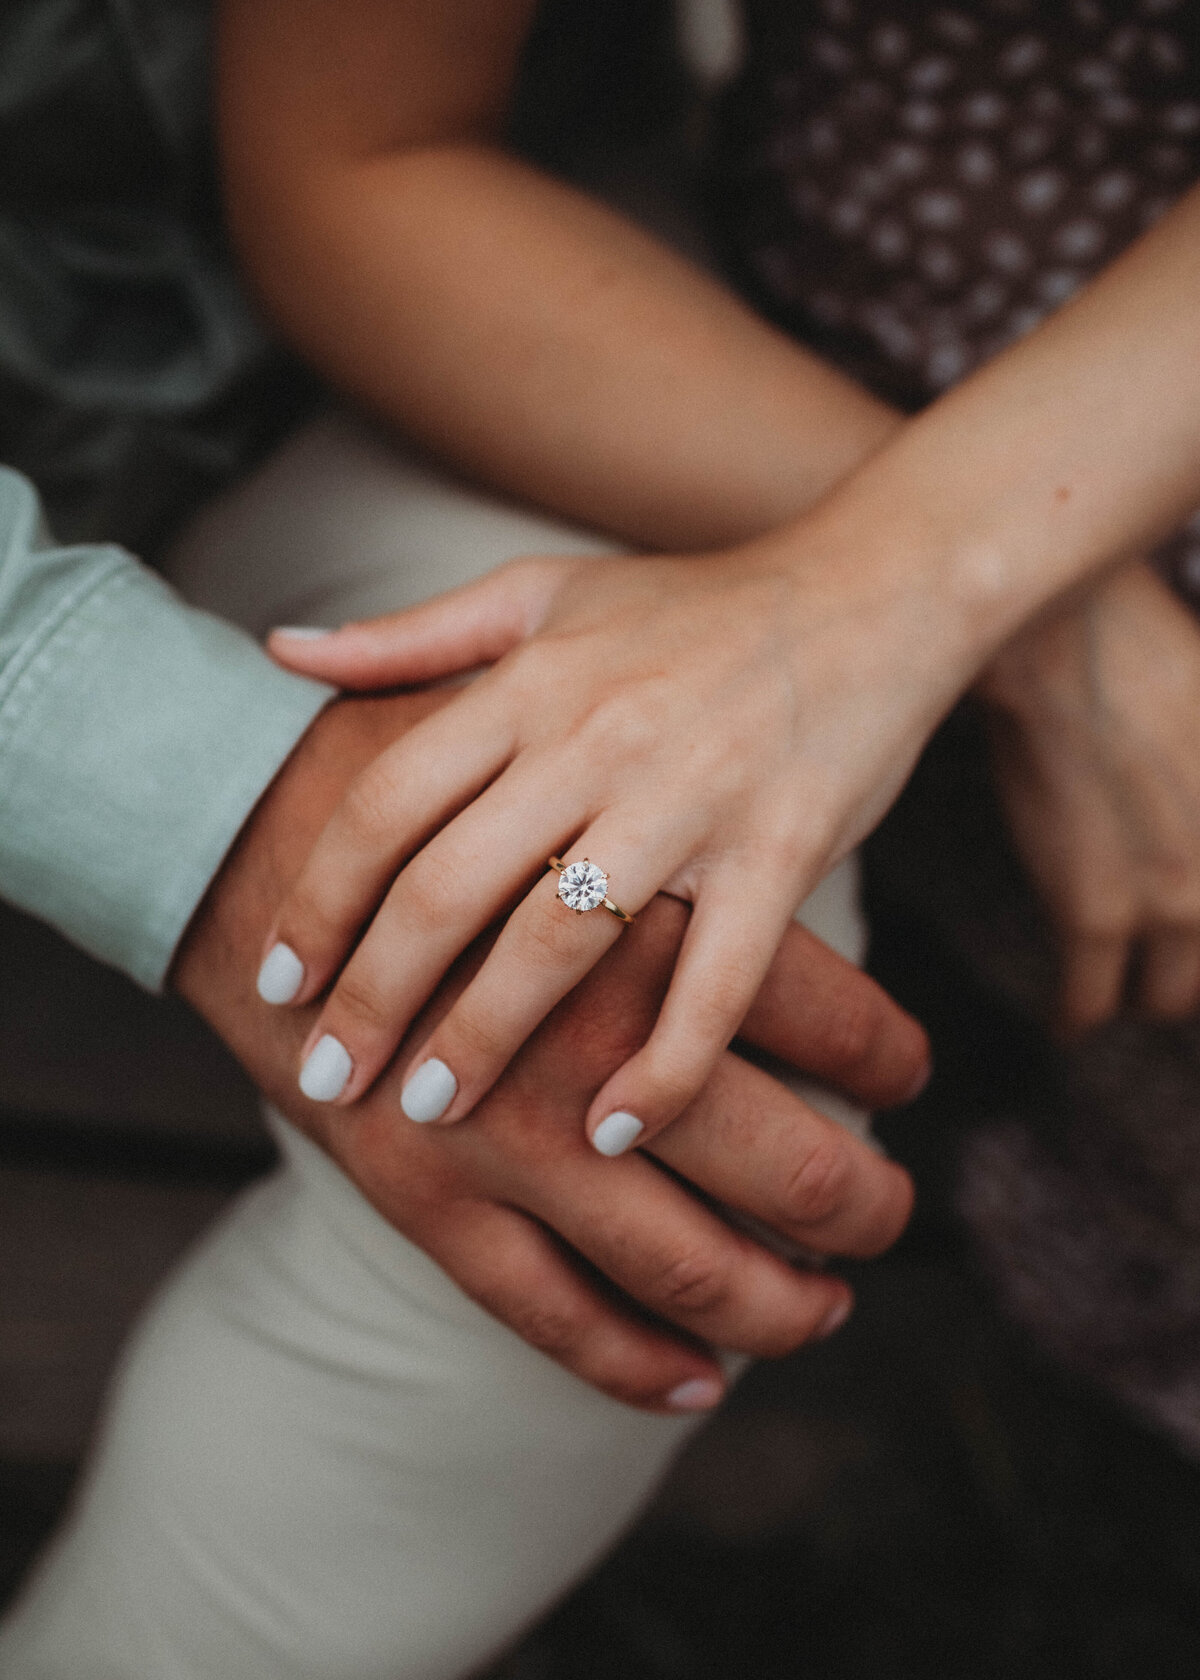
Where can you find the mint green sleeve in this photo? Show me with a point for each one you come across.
(136, 735)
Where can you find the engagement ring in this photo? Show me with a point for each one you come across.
(582, 886)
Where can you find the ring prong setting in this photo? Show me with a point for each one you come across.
(583, 886)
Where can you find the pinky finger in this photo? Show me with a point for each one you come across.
(722, 963)
(519, 1275)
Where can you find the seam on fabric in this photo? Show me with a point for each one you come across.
(174, 906)
(63, 628)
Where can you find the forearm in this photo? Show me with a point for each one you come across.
(543, 344)
(548, 347)
(1074, 449)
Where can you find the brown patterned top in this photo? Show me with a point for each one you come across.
(909, 186)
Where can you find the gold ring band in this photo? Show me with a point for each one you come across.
(583, 886)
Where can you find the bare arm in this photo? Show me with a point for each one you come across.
(541, 342)
(525, 332)
(730, 726)
(549, 347)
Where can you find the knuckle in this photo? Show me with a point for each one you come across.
(431, 891)
(625, 725)
(854, 1031)
(550, 1330)
(537, 668)
(717, 1008)
(1176, 910)
(475, 1032)
(691, 1283)
(1172, 871)
(535, 572)
(818, 1186)
(357, 997)
(309, 924)
(548, 937)
(367, 807)
(785, 849)
(1104, 930)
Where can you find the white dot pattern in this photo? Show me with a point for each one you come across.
(926, 183)
(913, 186)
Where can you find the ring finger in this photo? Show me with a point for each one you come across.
(544, 950)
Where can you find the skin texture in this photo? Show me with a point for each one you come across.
(621, 751)
(546, 346)
(506, 321)
(510, 1205)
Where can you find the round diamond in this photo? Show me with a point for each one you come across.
(582, 886)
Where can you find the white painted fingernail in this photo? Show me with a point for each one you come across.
(281, 975)
(614, 1134)
(302, 632)
(429, 1092)
(327, 1069)
(834, 1318)
(698, 1394)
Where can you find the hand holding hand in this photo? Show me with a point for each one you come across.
(719, 728)
(1097, 748)
(516, 1207)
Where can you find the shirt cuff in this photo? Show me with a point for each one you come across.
(136, 736)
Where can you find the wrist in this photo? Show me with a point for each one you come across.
(889, 567)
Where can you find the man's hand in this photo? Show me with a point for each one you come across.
(515, 1205)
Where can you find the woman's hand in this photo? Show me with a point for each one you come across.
(619, 1271)
(719, 728)
(1097, 737)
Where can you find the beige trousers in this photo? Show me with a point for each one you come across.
(321, 1461)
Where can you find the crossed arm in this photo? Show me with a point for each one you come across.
(549, 347)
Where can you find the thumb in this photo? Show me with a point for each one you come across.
(473, 625)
